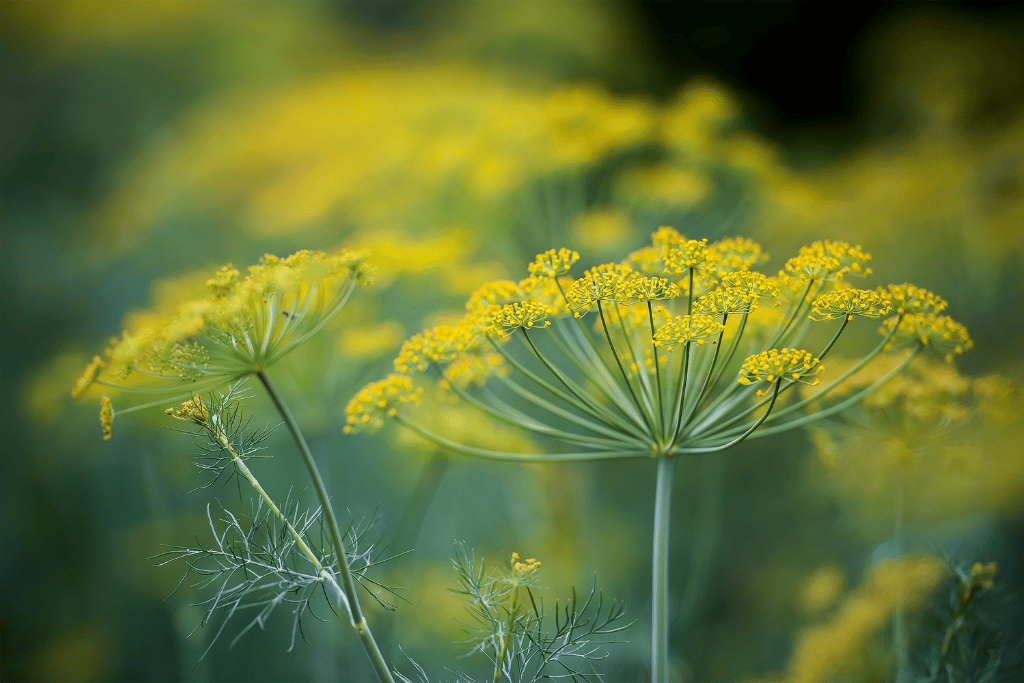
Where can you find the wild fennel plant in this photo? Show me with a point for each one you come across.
(508, 624)
(685, 334)
(234, 327)
(273, 556)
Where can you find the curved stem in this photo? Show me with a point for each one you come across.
(843, 405)
(455, 447)
(659, 571)
(348, 583)
(741, 437)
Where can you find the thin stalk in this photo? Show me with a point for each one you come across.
(598, 374)
(595, 408)
(657, 370)
(689, 295)
(732, 351)
(677, 409)
(707, 377)
(843, 405)
(642, 379)
(501, 653)
(348, 583)
(454, 447)
(741, 437)
(800, 404)
(659, 570)
(326, 576)
(625, 377)
(510, 415)
(899, 631)
(791, 319)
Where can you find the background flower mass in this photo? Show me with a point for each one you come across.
(146, 145)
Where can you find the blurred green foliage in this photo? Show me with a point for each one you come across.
(149, 140)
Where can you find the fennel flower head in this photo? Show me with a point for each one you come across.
(682, 347)
(234, 326)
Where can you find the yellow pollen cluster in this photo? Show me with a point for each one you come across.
(92, 371)
(651, 289)
(375, 401)
(981, 577)
(665, 238)
(607, 282)
(520, 568)
(439, 345)
(736, 254)
(910, 299)
(690, 255)
(940, 333)
(647, 261)
(848, 303)
(499, 293)
(224, 282)
(515, 316)
(724, 301)
(247, 322)
(553, 263)
(106, 417)
(193, 410)
(826, 261)
(757, 285)
(687, 328)
(777, 364)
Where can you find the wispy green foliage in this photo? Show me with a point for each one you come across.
(508, 624)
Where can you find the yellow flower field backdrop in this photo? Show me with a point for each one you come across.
(431, 151)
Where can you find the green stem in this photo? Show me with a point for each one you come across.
(899, 632)
(659, 571)
(348, 583)
(657, 372)
(625, 377)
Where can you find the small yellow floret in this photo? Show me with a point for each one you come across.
(651, 289)
(375, 401)
(92, 371)
(908, 298)
(438, 345)
(523, 568)
(690, 256)
(846, 303)
(734, 254)
(756, 285)
(687, 328)
(106, 417)
(724, 301)
(512, 317)
(607, 282)
(553, 263)
(497, 293)
(778, 364)
(940, 333)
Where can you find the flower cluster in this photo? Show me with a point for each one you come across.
(664, 374)
(848, 303)
(231, 327)
(380, 399)
(775, 365)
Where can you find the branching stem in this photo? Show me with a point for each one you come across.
(347, 582)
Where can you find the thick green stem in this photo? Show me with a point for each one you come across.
(347, 581)
(659, 570)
